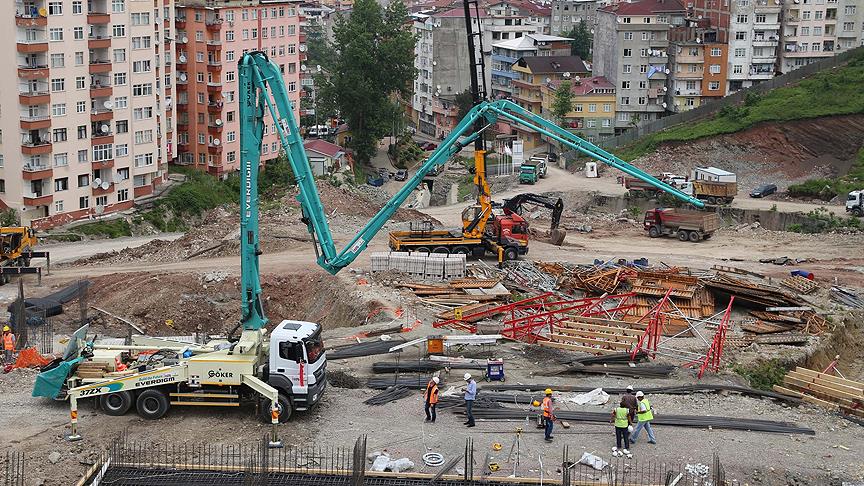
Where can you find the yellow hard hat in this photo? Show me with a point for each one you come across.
(548, 391)
(6, 328)
(535, 403)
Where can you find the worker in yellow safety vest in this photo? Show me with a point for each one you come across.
(548, 414)
(621, 419)
(644, 416)
(430, 398)
(8, 344)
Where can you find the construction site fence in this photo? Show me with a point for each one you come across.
(710, 108)
(13, 468)
(255, 463)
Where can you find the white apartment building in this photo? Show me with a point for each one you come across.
(89, 129)
(814, 29)
(754, 39)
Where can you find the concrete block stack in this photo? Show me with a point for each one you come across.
(380, 261)
(454, 267)
(424, 266)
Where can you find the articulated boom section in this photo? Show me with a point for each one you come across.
(261, 80)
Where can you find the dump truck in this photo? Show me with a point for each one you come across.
(687, 225)
(529, 172)
(16, 252)
(638, 187)
(710, 191)
(855, 203)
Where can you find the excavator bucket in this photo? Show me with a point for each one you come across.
(556, 236)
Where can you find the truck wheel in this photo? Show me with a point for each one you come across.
(510, 254)
(682, 235)
(712, 200)
(461, 250)
(729, 200)
(858, 212)
(707, 237)
(422, 249)
(441, 250)
(694, 236)
(116, 404)
(286, 408)
(654, 232)
(152, 404)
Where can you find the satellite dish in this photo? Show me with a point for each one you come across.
(664, 105)
(318, 67)
(667, 71)
(108, 104)
(216, 142)
(303, 68)
(106, 184)
(548, 80)
(665, 89)
(225, 94)
(100, 209)
(182, 58)
(302, 47)
(183, 77)
(185, 39)
(434, 63)
(43, 12)
(437, 87)
(218, 122)
(167, 102)
(104, 128)
(566, 75)
(577, 78)
(97, 182)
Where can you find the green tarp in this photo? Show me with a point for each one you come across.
(48, 383)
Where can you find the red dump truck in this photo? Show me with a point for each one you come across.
(687, 225)
(638, 187)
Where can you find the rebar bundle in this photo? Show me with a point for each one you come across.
(389, 395)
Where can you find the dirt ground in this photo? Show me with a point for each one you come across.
(155, 282)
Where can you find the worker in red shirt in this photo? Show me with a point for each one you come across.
(430, 398)
(548, 414)
(8, 344)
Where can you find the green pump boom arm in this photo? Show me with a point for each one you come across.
(263, 89)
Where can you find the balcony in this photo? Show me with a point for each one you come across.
(36, 122)
(183, 102)
(30, 98)
(214, 25)
(101, 138)
(765, 41)
(100, 67)
(214, 87)
(36, 172)
(655, 43)
(214, 45)
(792, 20)
(38, 199)
(32, 46)
(101, 115)
(214, 107)
(100, 91)
(31, 21)
(99, 42)
(98, 18)
(214, 66)
(102, 190)
(215, 170)
(215, 128)
(180, 22)
(33, 71)
(102, 164)
(214, 149)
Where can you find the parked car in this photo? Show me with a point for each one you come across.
(401, 175)
(764, 190)
(428, 146)
(375, 181)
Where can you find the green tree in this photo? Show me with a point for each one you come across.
(582, 41)
(373, 62)
(464, 101)
(563, 103)
(319, 51)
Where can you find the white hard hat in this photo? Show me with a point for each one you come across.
(629, 387)
(436, 380)
(639, 394)
(467, 376)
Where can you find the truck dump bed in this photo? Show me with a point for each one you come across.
(705, 222)
(716, 189)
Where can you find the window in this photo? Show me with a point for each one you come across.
(628, 52)
(805, 31)
(55, 8)
(123, 174)
(691, 85)
(118, 6)
(122, 195)
(144, 160)
(229, 116)
(849, 10)
(143, 136)
(200, 77)
(55, 34)
(230, 76)
(607, 122)
(61, 160)
(229, 55)
(715, 69)
(254, 34)
(118, 30)
(231, 136)
(142, 113)
(742, 19)
(121, 150)
(58, 109)
(642, 100)
(61, 184)
(714, 86)
(817, 15)
(229, 36)
(141, 42)
(103, 152)
(145, 89)
(59, 135)
(624, 117)
(716, 52)
(142, 18)
(141, 66)
(77, 7)
(740, 52)
(816, 47)
(741, 35)
(643, 84)
(592, 108)
(121, 102)
(121, 126)
(628, 35)
(626, 68)
(805, 15)
(643, 68)
(644, 36)
(760, 18)
(199, 36)
(625, 100)
(58, 206)
(78, 33)
(84, 202)
(83, 180)
(201, 98)
(848, 26)
(590, 123)
(119, 79)
(817, 31)
(643, 52)
(690, 101)
(80, 82)
(202, 139)
(625, 84)
(245, 34)
(79, 58)
(81, 107)
(57, 60)
(83, 158)
(101, 201)
(292, 86)
(292, 48)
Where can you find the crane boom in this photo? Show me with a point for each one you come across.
(262, 89)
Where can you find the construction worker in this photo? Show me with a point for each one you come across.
(621, 419)
(430, 398)
(548, 414)
(644, 415)
(629, 398)
(8, 344)
(470, 395)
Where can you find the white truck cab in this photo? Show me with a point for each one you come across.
(855, 203)
(297, 363)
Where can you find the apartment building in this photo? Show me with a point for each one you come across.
(567, 14)
(506, 53)
(441, 60)
(90, 129)
(697, 75)
(631, 44)
(593, 115)
(816, 29)
(754, 40)
(209, 42)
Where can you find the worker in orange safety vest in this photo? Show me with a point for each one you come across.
(430, 399)
(8, 344)
(548, 414)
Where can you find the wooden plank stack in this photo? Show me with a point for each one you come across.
(599, 336)
(800, 284)
(454, 293)
(93, 369)
(825, 390)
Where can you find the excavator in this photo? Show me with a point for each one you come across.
(16, 251)
(517, 203)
